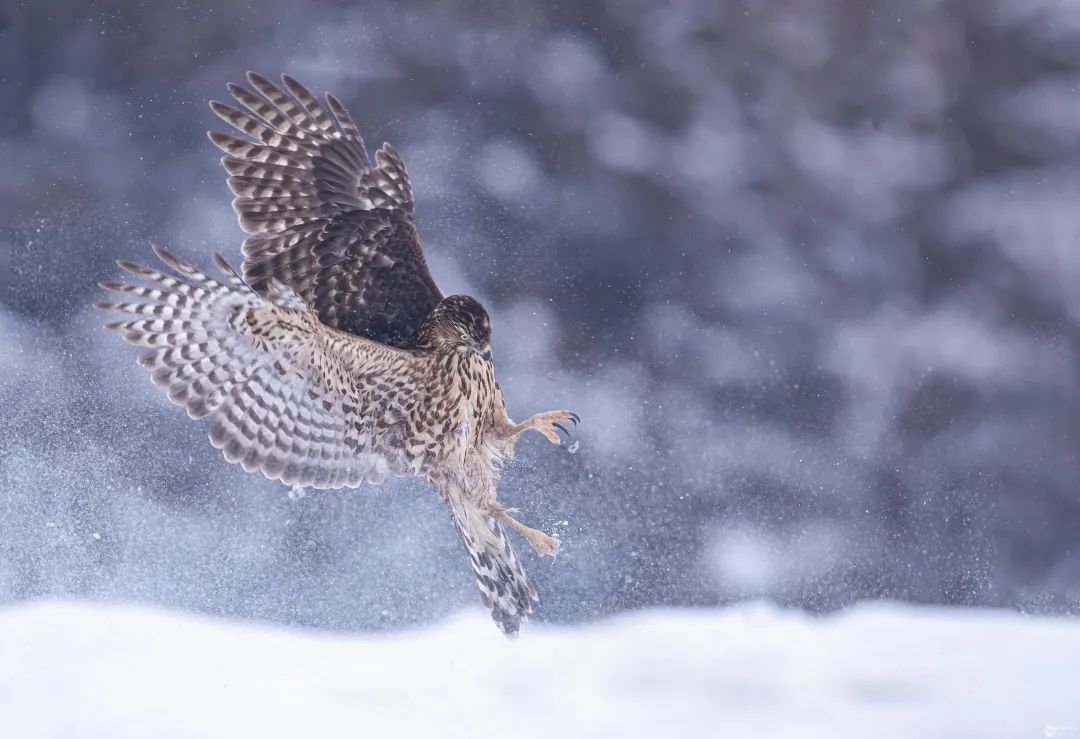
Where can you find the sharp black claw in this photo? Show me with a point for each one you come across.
(563, 429)
(575, 418)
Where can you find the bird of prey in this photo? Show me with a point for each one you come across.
(333, 359)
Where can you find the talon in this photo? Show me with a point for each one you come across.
(563, 429)
(575, 418)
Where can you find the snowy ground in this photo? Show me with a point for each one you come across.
(884, 670)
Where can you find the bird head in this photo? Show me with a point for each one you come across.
(458, 323)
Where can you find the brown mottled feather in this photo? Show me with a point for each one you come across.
(335, 360)
(310, 405)
(324, 220)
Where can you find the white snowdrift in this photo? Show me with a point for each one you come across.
(884, 670)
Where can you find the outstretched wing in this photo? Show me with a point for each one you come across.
(324, 220)
(298, 401)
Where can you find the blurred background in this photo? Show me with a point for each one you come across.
(808, 271)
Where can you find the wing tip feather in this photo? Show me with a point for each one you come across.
(224, 266)
(163, 254)
(224, 141)
(222, 110)
(131, 267)
(256, 79)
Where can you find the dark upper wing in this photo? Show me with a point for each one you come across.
(324, 220)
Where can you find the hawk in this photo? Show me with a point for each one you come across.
(334, 360)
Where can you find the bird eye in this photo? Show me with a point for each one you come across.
(464, 337)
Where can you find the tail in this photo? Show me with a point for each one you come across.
(504, 588)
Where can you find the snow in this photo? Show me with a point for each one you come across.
(878, 670)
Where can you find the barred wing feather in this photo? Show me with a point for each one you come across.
(288, 397)
(325, 220)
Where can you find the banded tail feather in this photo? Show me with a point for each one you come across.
(504, 588)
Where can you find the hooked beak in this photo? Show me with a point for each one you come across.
(485, 351)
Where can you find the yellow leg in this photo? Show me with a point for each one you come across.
(541, 542)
